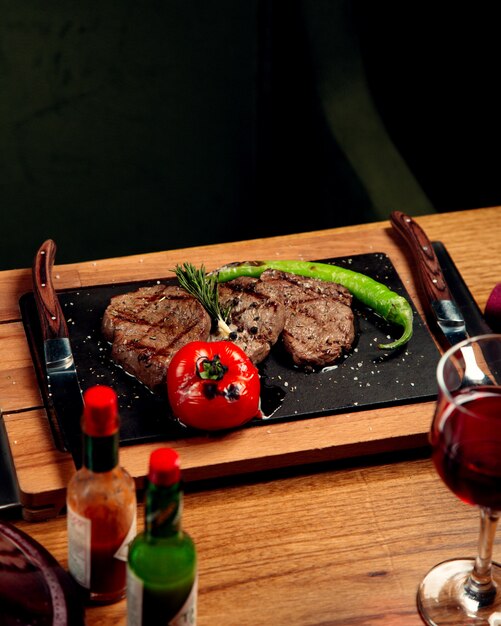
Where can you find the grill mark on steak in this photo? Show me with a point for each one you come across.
(312, 318)
(318, 331)
(148, 326)
(257, 318)
(319, 324)
(291, 287)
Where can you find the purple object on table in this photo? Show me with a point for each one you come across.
(34, 588)
(493, 309)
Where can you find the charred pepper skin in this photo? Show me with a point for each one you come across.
(389, 305)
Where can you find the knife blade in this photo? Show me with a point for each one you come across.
(439, 304)
(64, 397)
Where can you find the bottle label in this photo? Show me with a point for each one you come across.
(134, 599)
(123, 550)
(186, 616)
(79, 544)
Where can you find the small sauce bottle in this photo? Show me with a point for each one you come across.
(101, 504)
(162, 563)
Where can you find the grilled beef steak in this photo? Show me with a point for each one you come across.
(257, 317)
(147, 327)
(313, 319)
(319, 321)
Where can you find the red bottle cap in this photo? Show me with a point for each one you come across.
(100, 416)
(165, 468)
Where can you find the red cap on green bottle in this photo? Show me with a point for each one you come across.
(100, 416)
(165, 467)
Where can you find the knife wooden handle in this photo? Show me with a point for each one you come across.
(430, 273)
(51, 315)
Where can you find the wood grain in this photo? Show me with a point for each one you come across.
(328, 539)
(18, 383)
(336, 546)
(52, 320)
(430, 273)
(288, 444)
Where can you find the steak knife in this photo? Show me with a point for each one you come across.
(64, 397)
(439, 304)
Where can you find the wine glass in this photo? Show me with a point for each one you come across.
(465, 437)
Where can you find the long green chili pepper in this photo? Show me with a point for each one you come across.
(388, 304)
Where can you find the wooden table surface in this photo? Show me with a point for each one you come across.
(322, 534)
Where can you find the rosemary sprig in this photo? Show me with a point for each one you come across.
(203, 287)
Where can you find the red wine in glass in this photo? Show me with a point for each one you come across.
(467, 446)
(465, 436)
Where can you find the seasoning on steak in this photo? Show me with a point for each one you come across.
(257, 318)
(312, 318)
(319, 322)
(148, 326)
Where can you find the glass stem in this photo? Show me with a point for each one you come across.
(480, 585)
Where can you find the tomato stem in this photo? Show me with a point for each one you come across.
(211, 369)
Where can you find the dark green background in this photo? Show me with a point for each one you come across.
(129, 127)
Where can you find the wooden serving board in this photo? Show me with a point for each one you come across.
(43, 471)
(364, 378)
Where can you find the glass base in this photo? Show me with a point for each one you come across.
(442, 599)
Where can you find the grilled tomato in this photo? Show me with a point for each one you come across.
(213, 385)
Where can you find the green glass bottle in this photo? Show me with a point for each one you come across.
(162, 560)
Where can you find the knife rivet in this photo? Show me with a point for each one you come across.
(43, 284)
(434, 280)
(42, 251)
(408, 220)
(53, 317)
(425, 248)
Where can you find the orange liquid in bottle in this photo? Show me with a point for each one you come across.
(101, 499)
